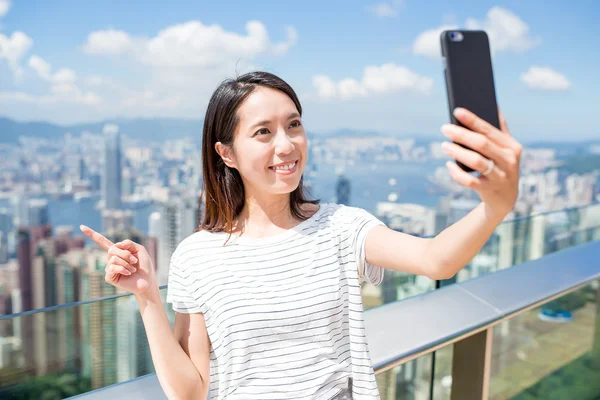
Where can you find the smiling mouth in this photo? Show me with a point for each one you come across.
(285, 167)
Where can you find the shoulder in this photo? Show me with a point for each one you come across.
(346, 214)
(201, 243)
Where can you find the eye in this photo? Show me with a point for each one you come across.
(295, 123)
(262, 131)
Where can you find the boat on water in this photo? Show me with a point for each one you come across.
(83, 196)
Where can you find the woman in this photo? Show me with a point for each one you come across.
(266, 292)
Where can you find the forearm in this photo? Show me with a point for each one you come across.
(454, 247)
(177, 374)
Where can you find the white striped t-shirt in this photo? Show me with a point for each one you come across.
(284, 314)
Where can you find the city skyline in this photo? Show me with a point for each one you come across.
(375, 69)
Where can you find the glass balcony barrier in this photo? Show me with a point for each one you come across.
(80, 347)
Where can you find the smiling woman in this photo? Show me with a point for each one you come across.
(267, 291)
(256, 149)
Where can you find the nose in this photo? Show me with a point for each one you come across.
(283, 143)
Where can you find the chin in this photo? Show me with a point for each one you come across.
(284, 189)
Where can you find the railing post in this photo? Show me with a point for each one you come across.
(471, 362)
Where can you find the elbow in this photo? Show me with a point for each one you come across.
(198, 390)
(441, 271)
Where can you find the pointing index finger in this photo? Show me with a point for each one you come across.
(96, 237)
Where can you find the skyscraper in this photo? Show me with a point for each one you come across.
(154, 228)
(111, 179)
(6, 227)
(342, 190)
(179, 219)
(37, 212)
(133, 357)
(81, 169)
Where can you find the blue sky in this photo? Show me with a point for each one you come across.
(369, 65)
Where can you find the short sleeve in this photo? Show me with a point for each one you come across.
(179, 290)
(357, 224)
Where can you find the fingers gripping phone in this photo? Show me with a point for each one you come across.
(469, 76)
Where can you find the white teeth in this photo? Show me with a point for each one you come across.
(285, 167)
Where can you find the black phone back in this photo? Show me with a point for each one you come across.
(469, 75)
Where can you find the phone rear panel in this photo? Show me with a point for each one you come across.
(469, 75)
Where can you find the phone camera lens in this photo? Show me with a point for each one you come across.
(456, 36)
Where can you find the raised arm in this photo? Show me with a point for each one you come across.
(497, 159)
(180, 357)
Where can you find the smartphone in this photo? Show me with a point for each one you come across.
(469, 76)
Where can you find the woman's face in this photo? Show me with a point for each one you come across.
(269, 146)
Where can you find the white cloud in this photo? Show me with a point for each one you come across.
(13, 49)
(44, 70)
(386, 9)
(428, 43)
(63, 87)
(96, 80)
(544, 78)
(181, 63)
(148, 99)
(4, 7)
(506, 31)
(22, 97)
(386, 78)
(191, 44)
(108, 42)
(40, 66)
(282, 47)
(64, 75)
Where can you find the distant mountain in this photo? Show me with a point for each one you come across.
(11, 130)
(153, 129)
(358, 133)
(161, 129)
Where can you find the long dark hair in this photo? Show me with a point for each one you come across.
(223, 189)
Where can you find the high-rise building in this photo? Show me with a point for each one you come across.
(97, 322)
(6, 221)
(81, 172)
(179, 219)
(414, 219)
(3, 248)
(111, 179)
(154, 227)
(24, 259)
(26, 298)
(95, 182)
(128, 182)
(133, 354)
(37, 212)
(342, 190)
(19, 204)
(6, 227)
(117, 220)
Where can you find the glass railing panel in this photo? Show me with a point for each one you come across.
(70, 350)
(525, 239)
(513, 242)
(442, 384)
(409, 381)
(550, 352)
(395, 286)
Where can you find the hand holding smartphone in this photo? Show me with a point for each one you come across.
(469, 76)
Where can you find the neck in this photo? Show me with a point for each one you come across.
(263, 214)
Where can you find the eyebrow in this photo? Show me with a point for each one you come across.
(267, 121)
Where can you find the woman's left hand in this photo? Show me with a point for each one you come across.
(500, 188)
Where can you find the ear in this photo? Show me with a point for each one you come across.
(226, 153)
